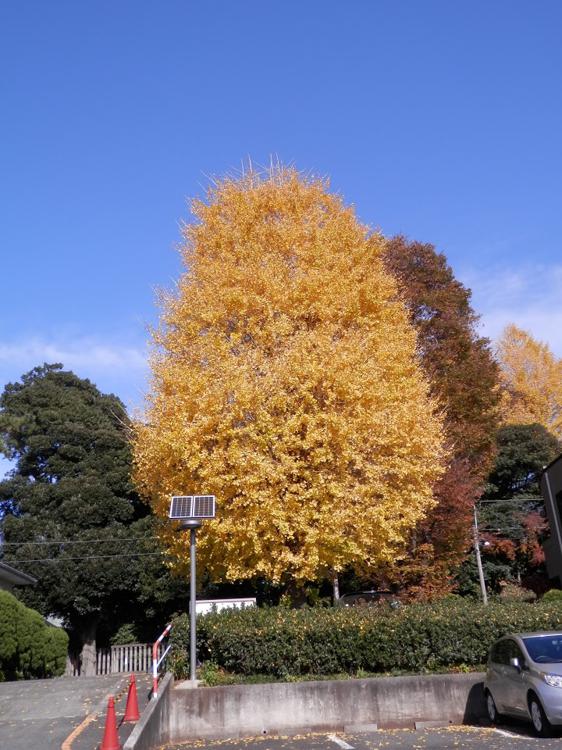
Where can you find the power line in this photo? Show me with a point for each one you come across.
(63, 558)
(535, 499)
(489, 528)
(80, 541)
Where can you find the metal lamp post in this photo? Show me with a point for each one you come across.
(190, 510)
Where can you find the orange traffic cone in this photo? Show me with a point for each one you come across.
(132, 707)
(110, 737)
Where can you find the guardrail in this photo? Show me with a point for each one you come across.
(159, 653)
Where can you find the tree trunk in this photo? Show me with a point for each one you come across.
(336, 585)
(297, 594)
(88, 654)
(69, 668)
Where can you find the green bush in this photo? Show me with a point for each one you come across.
(451, 634)
(515, 593)
(125, 634)
(28, 646)
(553, 595)
(56, 650)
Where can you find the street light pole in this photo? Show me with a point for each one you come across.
(190, 510)
(192, 524)
(479, 560)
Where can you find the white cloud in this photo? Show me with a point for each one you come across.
(75, 354)
(529, 296)
(115, 367)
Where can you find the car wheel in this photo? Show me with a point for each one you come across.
(541, 724)
(493, 714)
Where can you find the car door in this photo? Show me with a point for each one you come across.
(516, 684)
(497, 679)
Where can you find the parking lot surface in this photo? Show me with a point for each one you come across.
(473, 738)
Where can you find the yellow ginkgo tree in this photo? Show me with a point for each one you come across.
(285, 381)
(532, 377)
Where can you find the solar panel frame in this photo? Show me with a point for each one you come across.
(183, 507)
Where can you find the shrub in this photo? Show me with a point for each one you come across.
(56, 650)
(513, 592)
(420, 637)
(29, 647)
(554, 595)
(8, 634)
(125, 634)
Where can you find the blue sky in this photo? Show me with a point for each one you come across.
(440, 120)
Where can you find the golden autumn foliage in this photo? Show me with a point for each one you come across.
(285, 382)
(532, 378)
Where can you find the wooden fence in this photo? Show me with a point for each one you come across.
(134, 657)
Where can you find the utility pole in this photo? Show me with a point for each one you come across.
(479, 559)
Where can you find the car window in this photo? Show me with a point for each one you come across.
(514, 652)
(544, 648)
(501, 652)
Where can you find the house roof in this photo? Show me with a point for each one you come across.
(15, 577)
(551, 464)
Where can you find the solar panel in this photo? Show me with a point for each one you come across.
(181, 506)
(192, 506)
(204, 506)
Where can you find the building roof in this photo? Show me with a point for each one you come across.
(15, 577)
(551, 464)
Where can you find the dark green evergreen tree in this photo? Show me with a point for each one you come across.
(511, 513)
(70, 499)
(523, 450)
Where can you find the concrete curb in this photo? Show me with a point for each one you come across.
(150, 730)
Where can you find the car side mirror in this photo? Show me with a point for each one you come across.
(514, 661)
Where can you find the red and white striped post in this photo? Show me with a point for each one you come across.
(157, 661)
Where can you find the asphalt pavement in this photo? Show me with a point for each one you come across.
(90, 735)
(40, 714)
(453, 738)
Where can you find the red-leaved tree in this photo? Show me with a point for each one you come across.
(465, 379)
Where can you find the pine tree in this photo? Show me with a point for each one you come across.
(69, 503)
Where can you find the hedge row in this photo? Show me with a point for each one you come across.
(28, 646)
(281, 642)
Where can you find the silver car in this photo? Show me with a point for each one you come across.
(524, 679)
